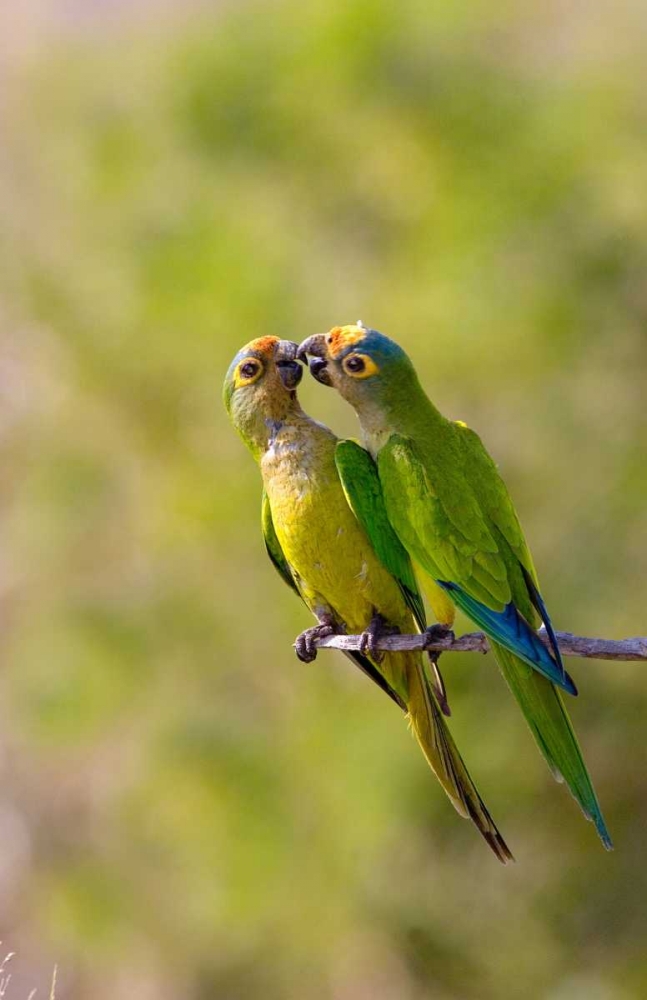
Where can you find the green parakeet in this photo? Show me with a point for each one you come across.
(320, 549)
(451, 510)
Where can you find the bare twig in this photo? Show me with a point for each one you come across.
(476, 642)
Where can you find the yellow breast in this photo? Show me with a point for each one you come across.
(319, 534)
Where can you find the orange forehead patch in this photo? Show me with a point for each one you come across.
(341, 337)
(264, 345)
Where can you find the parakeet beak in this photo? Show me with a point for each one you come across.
(313, 345)
(290, 373)
(287, 350)
(316, 346)
(289, 369)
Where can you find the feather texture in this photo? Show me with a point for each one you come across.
(451, 510)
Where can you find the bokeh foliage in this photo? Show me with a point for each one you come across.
(186, 810)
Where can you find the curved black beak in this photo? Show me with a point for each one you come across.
(287, 350)
(289, 369)
(318, 364)
(319, 371)
(313, 345)
(290, 373)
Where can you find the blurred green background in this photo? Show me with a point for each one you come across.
(185, 810)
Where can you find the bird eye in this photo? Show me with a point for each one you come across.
(355, 364)
(360, 366)
(248, 372)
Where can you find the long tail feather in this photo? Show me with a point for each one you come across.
(444, 759)
(544, 711)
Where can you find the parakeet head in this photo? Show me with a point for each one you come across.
(369, 370)
(260, 388)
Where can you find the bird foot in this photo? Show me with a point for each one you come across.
(438, 633)
(371, 636)
(305, 642)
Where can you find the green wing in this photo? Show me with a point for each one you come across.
(493, 495)
(441, 523)
(273, 546)
(445, 525)
(497, 504)
(361, 484)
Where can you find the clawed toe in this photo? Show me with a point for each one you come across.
(370, 638)
(437, 633)
(305, 643)
(368, 646)
(304, 648)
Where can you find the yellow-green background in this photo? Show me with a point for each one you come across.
(185, 810)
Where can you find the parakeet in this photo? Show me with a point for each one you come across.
(452, 512)
(318, 546)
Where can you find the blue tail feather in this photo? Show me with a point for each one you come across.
(510, 629)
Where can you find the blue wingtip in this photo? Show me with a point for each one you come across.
(595, 815)
(603, 833)
(510, 629)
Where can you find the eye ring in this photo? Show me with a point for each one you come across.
(249, 371)
(359, 366)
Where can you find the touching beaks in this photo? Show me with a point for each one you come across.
(318, 364)
(315, 345)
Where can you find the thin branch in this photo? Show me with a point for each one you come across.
(476, 642)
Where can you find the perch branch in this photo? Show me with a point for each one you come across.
(476, 642)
